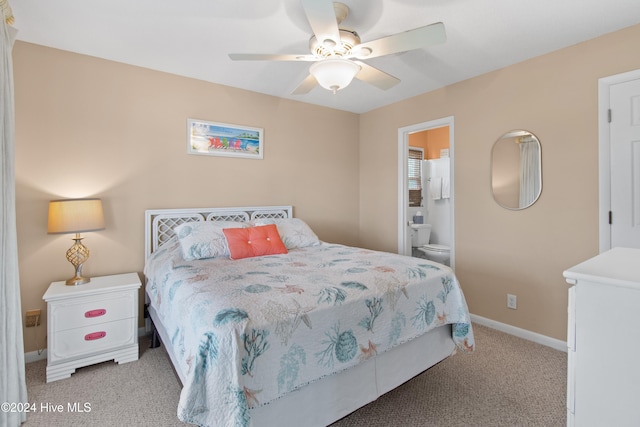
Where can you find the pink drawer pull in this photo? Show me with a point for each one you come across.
(95, 336)
(95, 313)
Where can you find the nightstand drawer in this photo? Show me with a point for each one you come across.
(79, 342)
(92, 310)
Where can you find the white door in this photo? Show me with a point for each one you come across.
(624, 131)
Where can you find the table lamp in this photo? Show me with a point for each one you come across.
(76, 216)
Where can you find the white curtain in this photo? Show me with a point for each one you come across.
(529, 171)
(13, 388)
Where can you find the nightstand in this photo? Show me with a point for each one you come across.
(91, 323)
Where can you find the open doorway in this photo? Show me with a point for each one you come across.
(437, 192)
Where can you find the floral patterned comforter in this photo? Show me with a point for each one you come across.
(249, 331)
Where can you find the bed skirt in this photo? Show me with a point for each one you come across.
(336, 396)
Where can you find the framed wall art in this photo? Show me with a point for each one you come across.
(222, 139)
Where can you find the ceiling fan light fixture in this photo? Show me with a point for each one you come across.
(334, 74)
(361, 52)
(329, 44)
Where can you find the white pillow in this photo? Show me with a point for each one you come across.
(294, 232)
(204, 239)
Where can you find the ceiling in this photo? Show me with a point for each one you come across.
(193, 38)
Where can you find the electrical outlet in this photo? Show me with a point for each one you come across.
(512, 301)
(32, 318)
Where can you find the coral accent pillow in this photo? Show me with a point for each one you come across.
(254, 241)
(294, 232)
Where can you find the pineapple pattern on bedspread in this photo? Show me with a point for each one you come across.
(247, 332)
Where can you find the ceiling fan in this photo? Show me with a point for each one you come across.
(337, 53)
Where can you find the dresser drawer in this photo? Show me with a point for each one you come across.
(80, 342)
(92, 310)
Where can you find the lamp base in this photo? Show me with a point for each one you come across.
(77, 280)
(77, 255)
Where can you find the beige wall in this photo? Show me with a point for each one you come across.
(90, 127)
(499, 251)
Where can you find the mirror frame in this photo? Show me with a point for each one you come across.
(518, 133)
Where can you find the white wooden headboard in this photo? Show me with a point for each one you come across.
(159, 223)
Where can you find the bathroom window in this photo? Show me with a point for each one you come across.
(416, 155)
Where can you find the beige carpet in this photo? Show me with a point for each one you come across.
(506, 382)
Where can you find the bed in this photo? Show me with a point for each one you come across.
(266, 325)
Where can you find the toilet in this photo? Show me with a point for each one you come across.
(420, 235)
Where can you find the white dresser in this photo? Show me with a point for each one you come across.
(603, 339)
(91, 323)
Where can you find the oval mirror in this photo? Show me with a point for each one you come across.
(516, 171)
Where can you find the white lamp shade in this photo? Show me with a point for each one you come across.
(334, 74)
(75, 216)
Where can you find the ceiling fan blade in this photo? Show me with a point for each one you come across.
(322, 18)
(402, 42)
(270, 57)
(305, 86)
(375, 77)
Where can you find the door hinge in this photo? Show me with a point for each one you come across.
(609, 115)
(610, 218)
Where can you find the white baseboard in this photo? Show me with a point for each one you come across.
(34, 356)
(521, 333)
